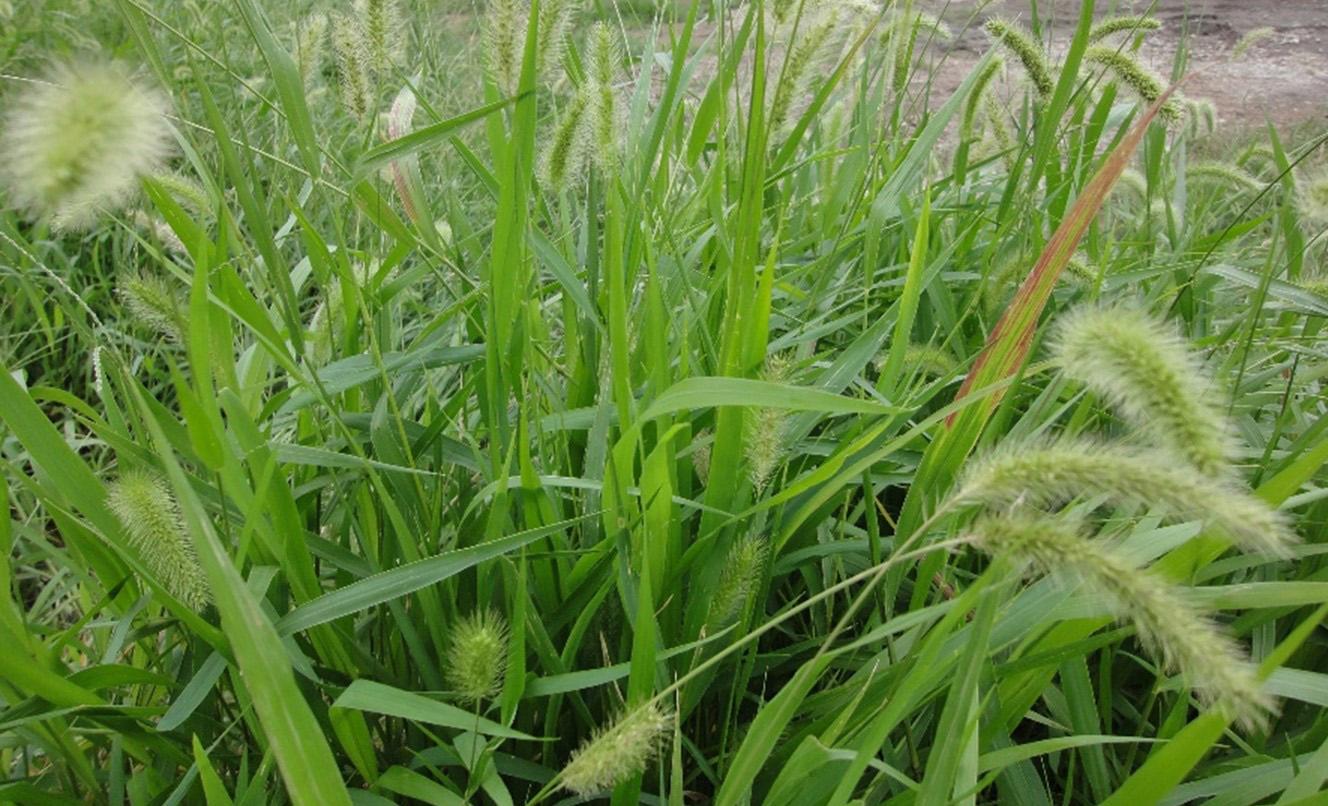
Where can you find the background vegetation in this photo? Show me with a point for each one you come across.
(542, 403)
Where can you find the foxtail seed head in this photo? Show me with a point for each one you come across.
(477, 657)
(565, 154)
(602, 114)
(155, 302)
(738, 581)
(1139, 79)
(1312, 199)
(1168, 627)
(502, 25)
(763, 432)
(1144, 369)
(1118, 25)
(383, 30)
(1048, 474)
(151, 519)
(555, 17)
(1028, 51)
(615, 754)
(76, 145)
(354, 57)
(977, 96)
(1251, 38)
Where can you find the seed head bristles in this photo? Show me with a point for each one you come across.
(1312, 199)
(1080, 270)
(1251, 38)
(152, 523)
(763, 432)
(555, 17)
(782, 11)
(1184, 640)
(978, 96)
(904, 31)
(930, 360)
(565, 153)
(1139, 79)
(155, 302)
(350, 46)
(74, 146)
(1146, 371)
(1200, 117)
(1116, 25)
(701, 459)
(810, 48)
(999, 130)
(1224, 174)
(602, 114)
(310, 33)
(161, 231)
(503, 23)
(1028, 51)
(477, 656)
(615, 754)
(383, 32)
(187, 192)
(1049, 474)
(738, 581)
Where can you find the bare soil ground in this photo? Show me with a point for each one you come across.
(1283, 79)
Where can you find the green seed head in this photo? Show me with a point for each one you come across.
(1028, 51)
(1144, 369)
(1184, 640)
(1312, 200)
(350, 45)
(384, 32)
(478, 656)
(75, 146)
(738, 581)
(1118, 25)
(1051, 474)
(155, 302)
(1139, 79)
(617, 753)
(152, 523)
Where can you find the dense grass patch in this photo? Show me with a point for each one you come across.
(545, 403)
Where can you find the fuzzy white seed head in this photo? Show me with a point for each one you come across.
(75, 146)
(615, 754)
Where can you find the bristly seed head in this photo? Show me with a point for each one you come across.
(76, 145)
(615, 754)
(1045, 474)
(152, 523)
(1145, 370)
(1184, 640)
(477, 656)
(155, 302)
(1312, 199)
(738, 581)
(354, 57)
(1028, 51)
(1139, 79)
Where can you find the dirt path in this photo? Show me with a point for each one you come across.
(1284, 78)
